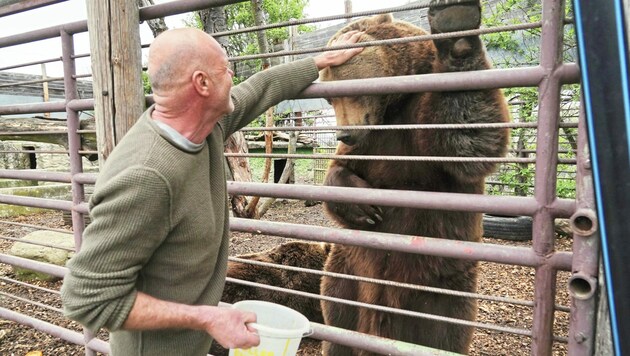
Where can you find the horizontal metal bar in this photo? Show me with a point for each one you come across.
(85, 178)
(386, 309)
(82, 208)
(493, 204)
(29, 133)
(372, 343)
(28, 242)
(43, 34)
(295, 22)
(33, 151)
(36, 227)
(54, 330)
(37, 266)
(386, 158)
(81, 104)
(56, 59)
(27, 285)
(47, 80)
(478, 296)
(32, 108)
(30, 302)
(409, 244)
(36, 202)
(17, 6)
(404, 127)
(180, 7)
(470, 80)
(33, 174)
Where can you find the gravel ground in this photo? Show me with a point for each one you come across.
(495, 279)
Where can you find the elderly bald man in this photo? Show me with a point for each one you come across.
(152, 265)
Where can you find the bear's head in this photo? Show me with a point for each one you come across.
(373, 62)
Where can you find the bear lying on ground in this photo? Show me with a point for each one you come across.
(455, 107)
(295, 253)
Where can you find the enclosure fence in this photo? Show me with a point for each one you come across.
(542, 204)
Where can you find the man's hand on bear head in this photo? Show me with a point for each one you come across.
(340, 56)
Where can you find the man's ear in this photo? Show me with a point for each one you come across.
(201, 82)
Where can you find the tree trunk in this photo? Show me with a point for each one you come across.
(259, 20)
(158, 25)
(213, 20)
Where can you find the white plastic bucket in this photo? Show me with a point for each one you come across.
(280, 329)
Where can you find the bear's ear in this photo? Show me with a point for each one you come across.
(383, 18)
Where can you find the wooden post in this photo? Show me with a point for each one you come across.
(45, 87)
(116, 68)
(348, 9)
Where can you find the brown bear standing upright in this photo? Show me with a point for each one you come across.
(454, 107)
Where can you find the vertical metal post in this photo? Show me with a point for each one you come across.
(583, 282)
(74, 145)
(546, 173)
(602, 34)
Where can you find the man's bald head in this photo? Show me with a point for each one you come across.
(175, 54)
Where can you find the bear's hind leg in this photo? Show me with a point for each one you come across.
(336, 314)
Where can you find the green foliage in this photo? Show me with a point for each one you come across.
(522, 48)
(303, 169)
(146, 84)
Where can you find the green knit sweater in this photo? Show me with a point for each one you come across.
(160, 223)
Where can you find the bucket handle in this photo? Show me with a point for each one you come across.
(271, 330)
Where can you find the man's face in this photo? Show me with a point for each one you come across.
(221, 76)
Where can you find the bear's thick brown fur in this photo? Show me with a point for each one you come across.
(456, 107)
(296, 254)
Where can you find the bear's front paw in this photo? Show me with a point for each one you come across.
(445, 17)
(355, 215)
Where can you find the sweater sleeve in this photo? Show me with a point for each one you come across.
(266, 89)
(130, 219)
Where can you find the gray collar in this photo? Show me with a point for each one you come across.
(178, 139)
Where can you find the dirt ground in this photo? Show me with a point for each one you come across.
(495, 279)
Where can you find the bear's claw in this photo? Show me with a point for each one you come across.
(459, 16)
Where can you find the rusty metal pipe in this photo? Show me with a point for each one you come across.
(404, 198)
(404, 243)
(36, 202)
(33, 174)
(54, 330)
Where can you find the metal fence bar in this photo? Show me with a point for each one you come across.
(372, 343)
(15, 239)
(74, 144)
(583, 282)
(47, 268)
(36, 202)
(43, 61)
(493, 204)
(388, 283)
(47, 80)
(434, 246)
(33, 174)
(471, 80)
(54, 330)
(493, 327)
(51, 106)
(17, 6)
(406, 127)
(31, 302)
(28, 285)
(546, 166)
(36, 227)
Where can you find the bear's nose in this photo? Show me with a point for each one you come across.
(345, 137)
